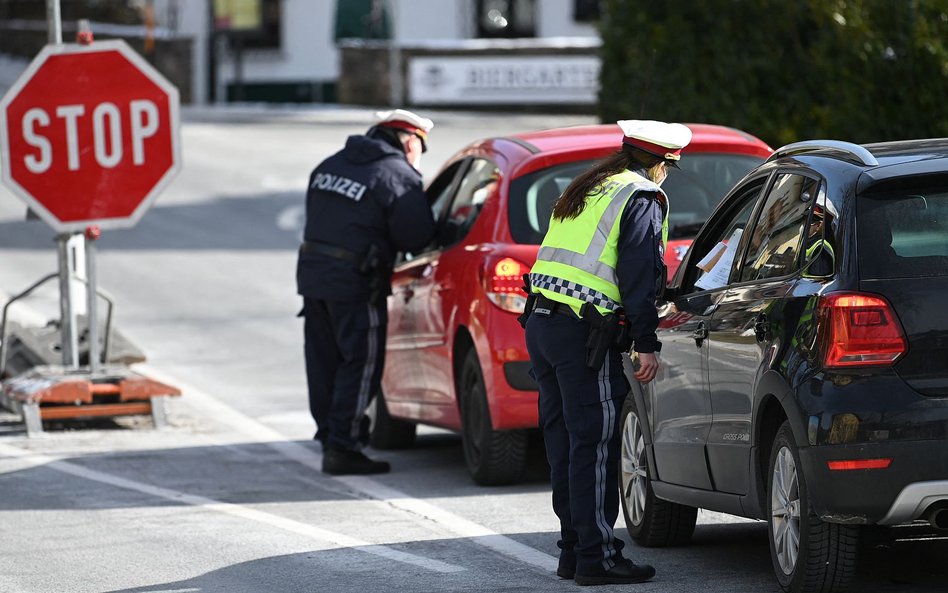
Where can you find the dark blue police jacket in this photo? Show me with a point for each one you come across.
(366, 194)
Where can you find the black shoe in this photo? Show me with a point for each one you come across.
(338, 463)
(624, 572)
(566, 567)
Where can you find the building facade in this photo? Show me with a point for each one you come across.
(291, 53)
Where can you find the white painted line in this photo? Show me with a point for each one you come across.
(321, 535)
(455, 523)
(365, 486)
(291, 218)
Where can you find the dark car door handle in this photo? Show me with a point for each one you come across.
(700, 334)
(761, 327)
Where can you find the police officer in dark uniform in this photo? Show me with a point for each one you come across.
(364, 204)
(593, 292)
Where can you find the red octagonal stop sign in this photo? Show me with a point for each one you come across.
(89, 135)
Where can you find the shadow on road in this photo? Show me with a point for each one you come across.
(738, 551)
(725, 557)
(731, 556)
(260, 222)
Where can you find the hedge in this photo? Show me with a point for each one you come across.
(784, 70)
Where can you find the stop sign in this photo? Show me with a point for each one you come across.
(89, 135)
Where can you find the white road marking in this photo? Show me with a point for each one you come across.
(291, 218)
(321, 535)
(456, 524)
(365, 486)
(274, 183)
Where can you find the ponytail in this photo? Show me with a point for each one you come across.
(573, 200)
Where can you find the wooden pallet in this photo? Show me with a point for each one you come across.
(54, 393)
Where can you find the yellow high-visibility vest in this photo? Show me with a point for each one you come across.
(577, 259)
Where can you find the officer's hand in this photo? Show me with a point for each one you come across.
(648, 367)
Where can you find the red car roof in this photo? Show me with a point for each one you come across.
(524, 152)
(706, 138)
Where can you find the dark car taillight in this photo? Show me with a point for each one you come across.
(503, 282)
(859, 330)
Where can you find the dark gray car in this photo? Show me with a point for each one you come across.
(805, 361)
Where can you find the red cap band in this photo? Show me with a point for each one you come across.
(664, 152)
(404, 125)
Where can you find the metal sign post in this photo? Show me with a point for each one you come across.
(69, 245)
(91, 235)
(69, 340)
(54, 26)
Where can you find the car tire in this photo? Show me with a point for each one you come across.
(808, 554)
(493, 457)
(386, 432)
(651, 521)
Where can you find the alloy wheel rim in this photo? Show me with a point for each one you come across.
(634, 473)
(785, 511)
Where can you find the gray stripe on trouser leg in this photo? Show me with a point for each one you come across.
(368, 370)
(602, 458)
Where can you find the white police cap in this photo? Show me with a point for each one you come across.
(400, 118)
(656, 137)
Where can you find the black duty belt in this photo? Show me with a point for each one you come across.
(331, 251)
(544, 304)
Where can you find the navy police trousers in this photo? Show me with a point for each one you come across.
(344, 343)
(579, 416)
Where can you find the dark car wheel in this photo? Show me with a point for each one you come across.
(809, 555)
(493, 457)
(386, 432)
(651, 521)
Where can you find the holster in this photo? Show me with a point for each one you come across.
(529, 305)
(370, 265)
(623, 337)
(603, 332)
(370, 261)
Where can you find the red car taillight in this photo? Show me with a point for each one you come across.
(853, 464)
(859, 330)
(503, 283)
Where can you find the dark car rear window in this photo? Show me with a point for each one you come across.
(902, 232)
(693, 192)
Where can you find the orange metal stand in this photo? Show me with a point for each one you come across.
(53, 392)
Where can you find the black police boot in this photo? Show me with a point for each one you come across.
(567, 565)
(624, 572)
(338, 462)
(565, 572)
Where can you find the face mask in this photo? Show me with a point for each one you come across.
(659, 182)
(414, 162)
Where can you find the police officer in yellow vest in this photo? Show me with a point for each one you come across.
(602, 260)
(818, 251)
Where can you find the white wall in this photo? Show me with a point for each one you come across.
(555, 19)
(307, 53)
(192, 21)
(421, 20)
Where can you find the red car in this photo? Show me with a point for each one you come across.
(456, 356)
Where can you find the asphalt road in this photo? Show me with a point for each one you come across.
(229, 498)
